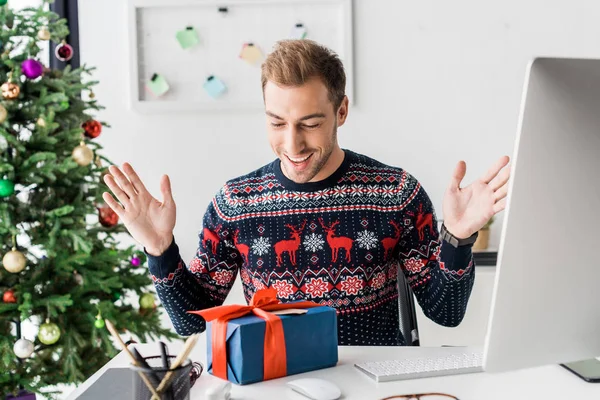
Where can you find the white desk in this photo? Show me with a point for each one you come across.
(544, 383)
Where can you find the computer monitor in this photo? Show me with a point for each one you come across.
(546, 300)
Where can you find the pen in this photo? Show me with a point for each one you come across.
(151, 374)
(187, 348)
(165, 360)
(164, 352)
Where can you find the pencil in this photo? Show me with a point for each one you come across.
(187, 348)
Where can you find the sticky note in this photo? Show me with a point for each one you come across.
(298, 32)
(158, 85)
(187, 38)
(251, 54)
(214, 86)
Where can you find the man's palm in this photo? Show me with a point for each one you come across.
(466, 210)
(148, 220)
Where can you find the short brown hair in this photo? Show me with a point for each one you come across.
(294, 62)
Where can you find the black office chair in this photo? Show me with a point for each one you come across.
(408, 314)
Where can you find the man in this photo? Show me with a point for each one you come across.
(319, 223)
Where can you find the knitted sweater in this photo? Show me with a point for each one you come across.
(339, 242)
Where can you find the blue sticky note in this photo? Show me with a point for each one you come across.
(214, 86)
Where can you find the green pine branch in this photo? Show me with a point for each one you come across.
(76, 268)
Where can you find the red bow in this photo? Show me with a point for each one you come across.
(263, 301)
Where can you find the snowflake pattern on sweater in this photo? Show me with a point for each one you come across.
(340, 242)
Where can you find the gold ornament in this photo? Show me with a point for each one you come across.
(49, 333)
(92, 95)
(14, 261)
(3, 114)
(78, 278)
(10, 91)
(83, 155)
(41, 122)
(44, 34)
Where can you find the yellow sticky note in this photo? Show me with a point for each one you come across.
(251, 54)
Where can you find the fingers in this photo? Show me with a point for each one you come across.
(122, 180)
(493, 171)
(112, 203)
(501, 193)
(459, 173)
(165, 189)
(116, 189)
(135, 180)
(499, 206)
(500, 179)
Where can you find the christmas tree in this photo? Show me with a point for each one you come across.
(63, 268)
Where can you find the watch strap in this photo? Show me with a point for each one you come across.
(454, 241)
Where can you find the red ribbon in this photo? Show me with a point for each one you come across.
(263, 301)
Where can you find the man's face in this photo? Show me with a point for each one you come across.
(302, 128)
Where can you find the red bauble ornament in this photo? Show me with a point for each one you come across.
(64, 52)
(9, 296)
(107, 217)
(92, 128)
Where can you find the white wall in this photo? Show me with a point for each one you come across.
(435, 82)
(402, 105)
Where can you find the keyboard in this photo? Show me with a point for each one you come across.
(446, 361)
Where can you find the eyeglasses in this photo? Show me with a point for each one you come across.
(423, 396)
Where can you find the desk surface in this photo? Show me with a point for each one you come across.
(544, 383)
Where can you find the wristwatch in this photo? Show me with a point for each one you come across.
(454, 241)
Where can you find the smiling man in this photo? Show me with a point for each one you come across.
(319, 223)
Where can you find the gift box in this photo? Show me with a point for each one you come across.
(22, 395)
(247, 344)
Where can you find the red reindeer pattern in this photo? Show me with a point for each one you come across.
(213, 236)
(243, 249)
(424, 220)
(289, 246)
(390, 242)
(337, 243)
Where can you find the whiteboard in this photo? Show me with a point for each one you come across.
(155, 51)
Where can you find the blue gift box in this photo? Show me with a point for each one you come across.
(310, 344)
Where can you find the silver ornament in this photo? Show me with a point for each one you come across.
(23, 348)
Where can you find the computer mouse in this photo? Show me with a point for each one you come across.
(316, 389)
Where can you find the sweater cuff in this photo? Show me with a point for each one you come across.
(456, 258)
(161, 266)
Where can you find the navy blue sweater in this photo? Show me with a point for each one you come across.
(339, 242)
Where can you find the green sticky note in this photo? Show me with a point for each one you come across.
(187, 38)
(158, 85)
(298, 32)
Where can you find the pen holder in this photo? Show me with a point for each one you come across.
(177, 389)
